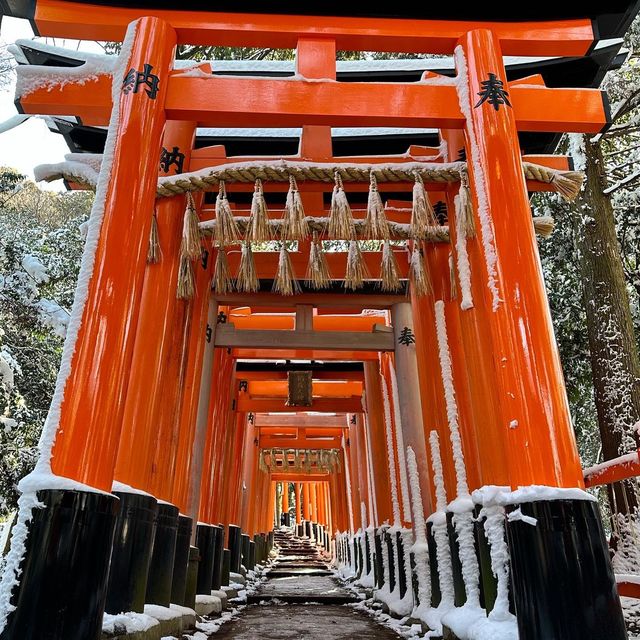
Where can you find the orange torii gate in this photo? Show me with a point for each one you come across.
(187, 436)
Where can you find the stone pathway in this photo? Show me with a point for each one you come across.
(276, 611)
(303, 622)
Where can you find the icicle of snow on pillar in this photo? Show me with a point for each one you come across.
(384, 594)
(41, 477)
(464, 268)
(480, 181)
(402, 463)
(494, 516)
(347, 475)
(373, 507)
(438, 519)
(450, 400)
(384, 591)
(420, 547)
(366, 577)
(390, 453)
(462, 506)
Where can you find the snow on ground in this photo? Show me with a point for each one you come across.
(206, 627)
(127, 623)
(631, 610)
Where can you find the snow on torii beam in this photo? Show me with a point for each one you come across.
(86, 21)
(213, 101)
(279, 405)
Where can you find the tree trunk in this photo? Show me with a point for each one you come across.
(614, 354)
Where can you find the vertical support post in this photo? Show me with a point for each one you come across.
(202, 417)
(351, 458)
(92, 408)
(198, 342)
(529, 375)
(234, 475)
(314, 501)
(61, 573)
(472, 353)
(377, 440)
(410, 405)
(554, 597)
(250, 456)
(434, 412)
(221, 390)
(298, 502)
(272, 504)
(156, 336)
(307, 501)
(327, 498)
(285, 502)
(358, 438)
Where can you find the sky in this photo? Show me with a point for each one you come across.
(31, 143)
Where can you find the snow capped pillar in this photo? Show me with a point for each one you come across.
(89, 403)
(102, 332)
(409, 403)
(55, 575)
(434, 412)
(472, 351)
(535, 411)
(564, 587)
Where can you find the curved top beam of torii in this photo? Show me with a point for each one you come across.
(567, 28)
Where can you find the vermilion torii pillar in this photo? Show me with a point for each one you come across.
(285, 502)
(569, 590)
(377, 442)
(151, 413)
(93, 404)
(83, 429)
(410, 404)
(298, 486)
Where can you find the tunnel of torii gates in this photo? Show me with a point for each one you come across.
(245, 343)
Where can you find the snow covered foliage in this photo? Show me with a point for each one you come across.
(40, 249)
(593, 281)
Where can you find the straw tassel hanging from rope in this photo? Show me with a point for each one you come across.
(418, 274)
(464, 207)
(356, 271)
(258, 229)
(295, 225)
(186, 279)
(226, 228)
(285, 282)
(453, 285)
(568, 184)
(247, 279)
(341, 224)
(222, 281)
(389, 276)
(153, 253)
(318, 275)
(544, 225)
(423, 216)
(191, 247)
(376, 226)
